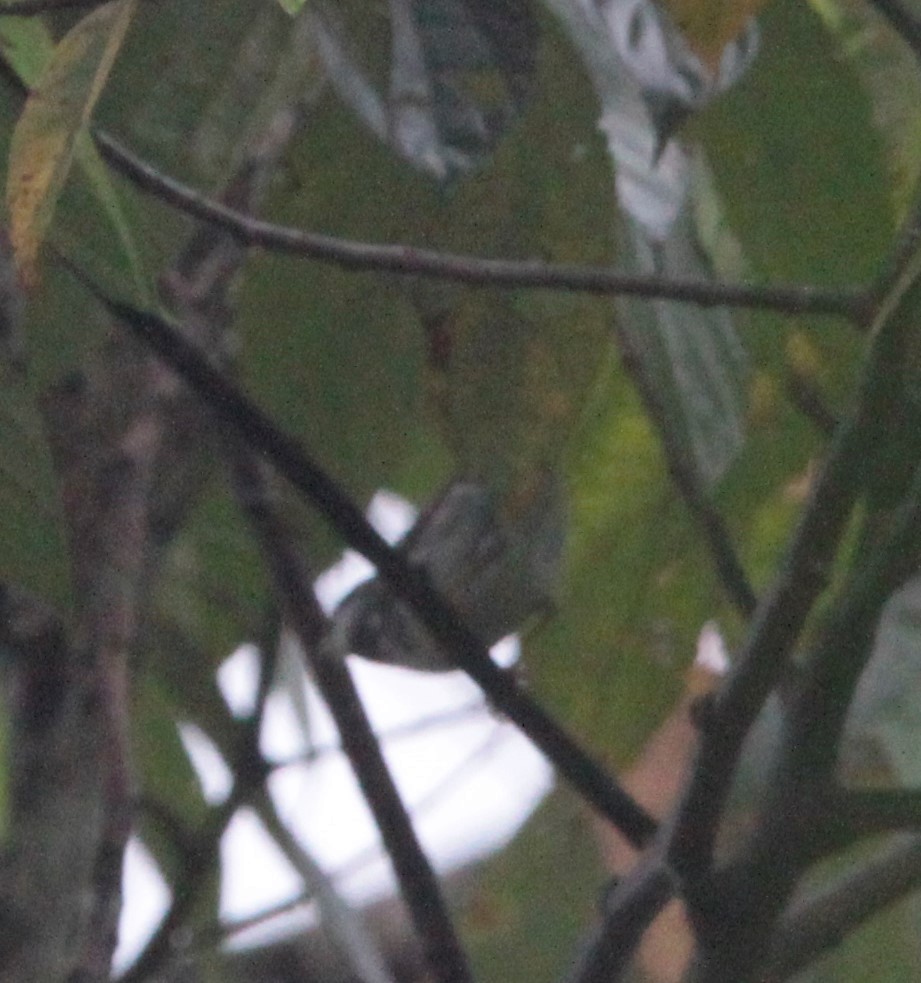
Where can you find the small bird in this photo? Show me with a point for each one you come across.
(673, 80)
(496, 562)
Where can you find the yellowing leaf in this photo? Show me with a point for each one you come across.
(709, 25)
(56, 111)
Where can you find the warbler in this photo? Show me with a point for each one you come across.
(496, 562)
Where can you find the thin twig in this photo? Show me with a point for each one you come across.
(261, 434)
(852, 815)
(219, 934)
(475, 270)
(354, 943)
(413, 728)
(628, 912)
(793, 829)
(418, 883)
(818, 923)
(33, 8)
(197, 862)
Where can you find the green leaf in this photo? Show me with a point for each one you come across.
(799, 214)
(34, 555)
(57, 109)
(26, 46)
(888, 69)
(212, 596)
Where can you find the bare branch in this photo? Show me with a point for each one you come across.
(794, 826)
(418, 883)
(818, 923)
(34, 8)
(782, 613)
(852, 815)
(260, 433)
(628, 911)
(473, 270)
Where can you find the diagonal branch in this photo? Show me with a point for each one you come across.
(628, 911)
(850, 815)
(804, 575)
(473, 270)
(818, 923)
(260, 433)
(34, 8)
(418, 882)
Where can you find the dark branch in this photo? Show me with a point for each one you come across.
(628, 912)
(418, 883)
(33, 8)
(794, 827)
(473, 270)
(820, 922)
(852, 815)
(261, 434)
(782, 614)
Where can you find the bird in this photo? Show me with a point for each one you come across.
(496, 559)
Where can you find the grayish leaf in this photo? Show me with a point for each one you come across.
(884, 721)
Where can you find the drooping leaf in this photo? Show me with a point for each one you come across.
(58, 108)
(884, 721)
(27, 47)
(889, 72)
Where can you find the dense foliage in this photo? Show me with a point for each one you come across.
(264, 259)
